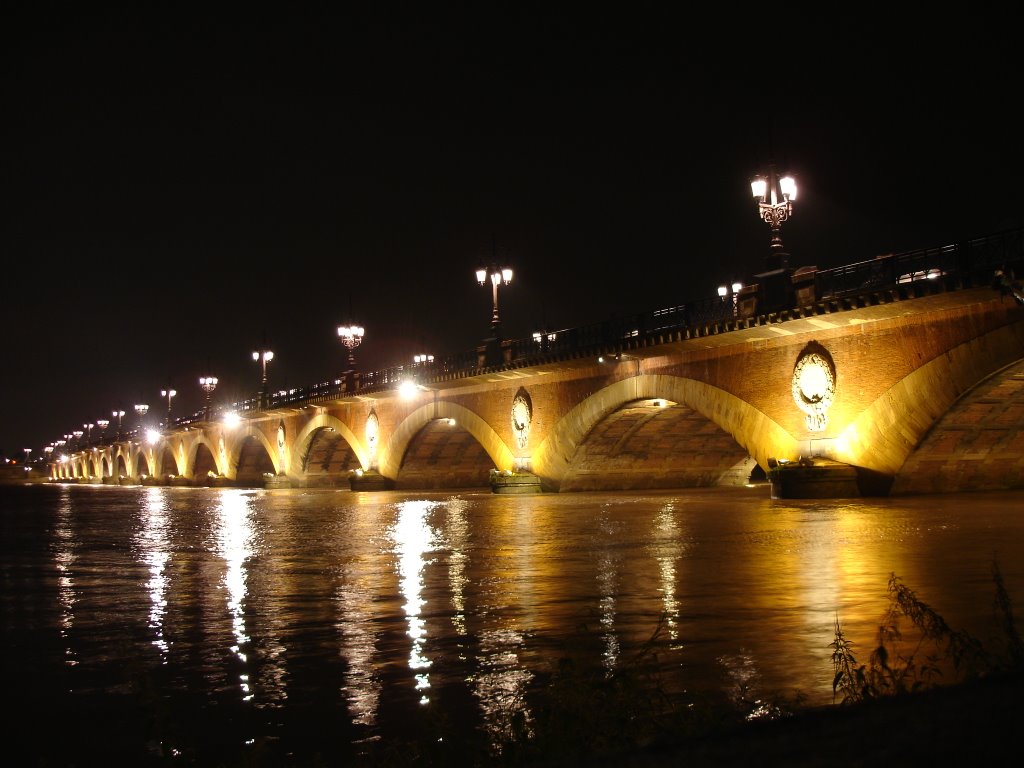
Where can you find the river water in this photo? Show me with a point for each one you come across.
(194, 624)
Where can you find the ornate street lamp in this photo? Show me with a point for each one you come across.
(78, 438)
(263, 356)
(422, 359)
(103, 424)
(497, 276)
(88, 433)
(117, 415)
(774, 196)
(208, 383)
(351, 336)
(168, 393)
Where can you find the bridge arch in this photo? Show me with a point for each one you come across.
(392, 453)
(883, 436)
(753, 430)
(142, 465)
(166, 460)
(306, 436)
(201, 458)
(121, 467)
(243, 463)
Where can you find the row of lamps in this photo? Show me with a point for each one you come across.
(774, 196)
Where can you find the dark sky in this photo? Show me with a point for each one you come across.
(177, 188)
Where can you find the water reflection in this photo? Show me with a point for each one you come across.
(457, 534)
(607, 585)
(668, 547)
(371, 606)
(64, 546)
(234, 535)
(354, 599)
(152, 541)
(413, 537)
(516, 566)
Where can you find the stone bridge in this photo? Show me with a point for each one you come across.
(920, 390)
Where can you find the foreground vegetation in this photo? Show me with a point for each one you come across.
(894, 669)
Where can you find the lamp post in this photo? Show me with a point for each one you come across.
(78, 438)
(27, 452)
(774, 196)
(351, 336)
(141, 409)
(168, 393)
(263, 356)
(723, 291)
(117, 415)
(103, 424)
(88, 432)
(208, 383)
(497, 276)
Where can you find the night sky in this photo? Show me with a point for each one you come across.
(178, 189)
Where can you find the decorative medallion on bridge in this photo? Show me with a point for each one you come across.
(522, 415)
(814, 385)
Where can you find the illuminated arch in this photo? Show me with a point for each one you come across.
(753, 430)
(304, 439)
(202, 439)
(887, 432)
(233, 447)
(161, 452)
(391, 453)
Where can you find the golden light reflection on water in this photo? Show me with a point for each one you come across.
(234, 535)
(608, 587)
(456, 530)
(65, 543)
(354, 599)
(413, 540)
(516, 565)
(395, 604)
(668, 547)
(153, 543)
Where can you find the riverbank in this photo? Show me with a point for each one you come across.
(972, 723)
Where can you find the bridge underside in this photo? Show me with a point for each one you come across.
(656, 444)
(977, 446)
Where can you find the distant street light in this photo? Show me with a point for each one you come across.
(27, 452)
(141, 409)
(775, 198)
(723, 291)
(263, 356)
(78, 438)
(103, 424)
(168, 393)
(88, 433)
(422, 359)
(117, 415)
(208, 383)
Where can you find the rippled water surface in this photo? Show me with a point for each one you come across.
(199, 623)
